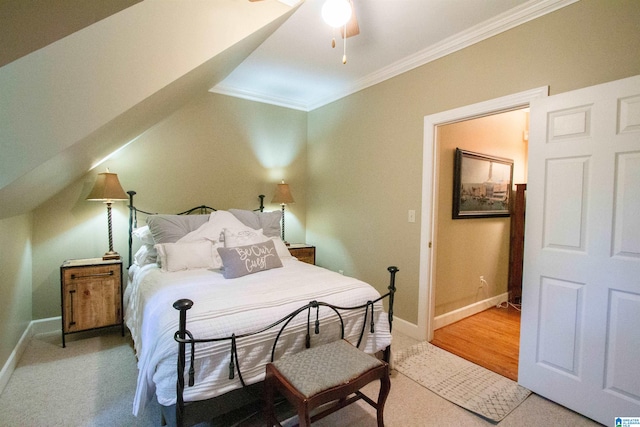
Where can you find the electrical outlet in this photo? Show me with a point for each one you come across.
(483, 282)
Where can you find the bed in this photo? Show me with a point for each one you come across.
(239, 280)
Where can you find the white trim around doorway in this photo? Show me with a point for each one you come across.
(426, 287)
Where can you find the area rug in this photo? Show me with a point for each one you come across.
(466, 384)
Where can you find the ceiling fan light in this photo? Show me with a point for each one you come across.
(336, 13)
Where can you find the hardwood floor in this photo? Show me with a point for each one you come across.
(490, 339)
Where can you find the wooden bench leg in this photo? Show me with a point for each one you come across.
(304, 419)
(385, 387)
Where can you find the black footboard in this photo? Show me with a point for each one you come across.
(186, 340)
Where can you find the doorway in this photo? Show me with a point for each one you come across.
(472, 254)
(430, 184)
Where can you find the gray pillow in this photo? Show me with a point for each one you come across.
(268, 221)
(170, 228)
(243, 260)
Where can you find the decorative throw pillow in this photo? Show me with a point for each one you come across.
(186, 256)
(242, 236)
(243, 260)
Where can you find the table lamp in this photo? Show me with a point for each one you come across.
(107, 189)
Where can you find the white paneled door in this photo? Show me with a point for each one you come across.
(580, 332)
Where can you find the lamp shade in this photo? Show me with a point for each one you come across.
(107, 188)
(283, 195)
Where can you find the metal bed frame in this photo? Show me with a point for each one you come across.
(199, 210)
(205, 409)
(185, 339)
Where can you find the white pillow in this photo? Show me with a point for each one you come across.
(187, 256)
(144, 234)
(242, 236)
(147, 254)
(218, 221)
(281, 248)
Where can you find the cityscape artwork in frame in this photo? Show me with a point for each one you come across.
(481, 185)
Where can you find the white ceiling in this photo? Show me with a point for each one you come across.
(297, 68)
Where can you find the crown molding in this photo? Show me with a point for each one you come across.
(499, 24)
(259, 97)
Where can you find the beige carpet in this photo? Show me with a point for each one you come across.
(459, 381)
(92, 382)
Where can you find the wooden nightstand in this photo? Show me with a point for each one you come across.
(91, 295)
(305, 253)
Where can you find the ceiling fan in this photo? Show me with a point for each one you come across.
(339, 14)
(351, 27)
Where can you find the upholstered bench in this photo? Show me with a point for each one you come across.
(333, 372)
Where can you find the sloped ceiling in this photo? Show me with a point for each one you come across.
(47, 21)
(76, 100)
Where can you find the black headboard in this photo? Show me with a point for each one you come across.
(198, 210)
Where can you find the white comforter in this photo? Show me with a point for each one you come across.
(225, 306)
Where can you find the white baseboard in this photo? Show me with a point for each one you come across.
(45, 326)
(14, 357)
(35, 327)
(470, 310)
(411, 330)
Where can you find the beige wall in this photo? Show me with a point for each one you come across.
(355, 179)
(15, 281)
(365, 151)
(466, 249)
(217, 150)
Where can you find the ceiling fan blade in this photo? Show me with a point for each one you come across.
(352, 27)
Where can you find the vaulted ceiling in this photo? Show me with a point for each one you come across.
(80, 79)
(77, 99)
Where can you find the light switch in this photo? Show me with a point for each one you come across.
(412, 215)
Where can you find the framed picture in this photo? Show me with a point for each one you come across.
(481, 185)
